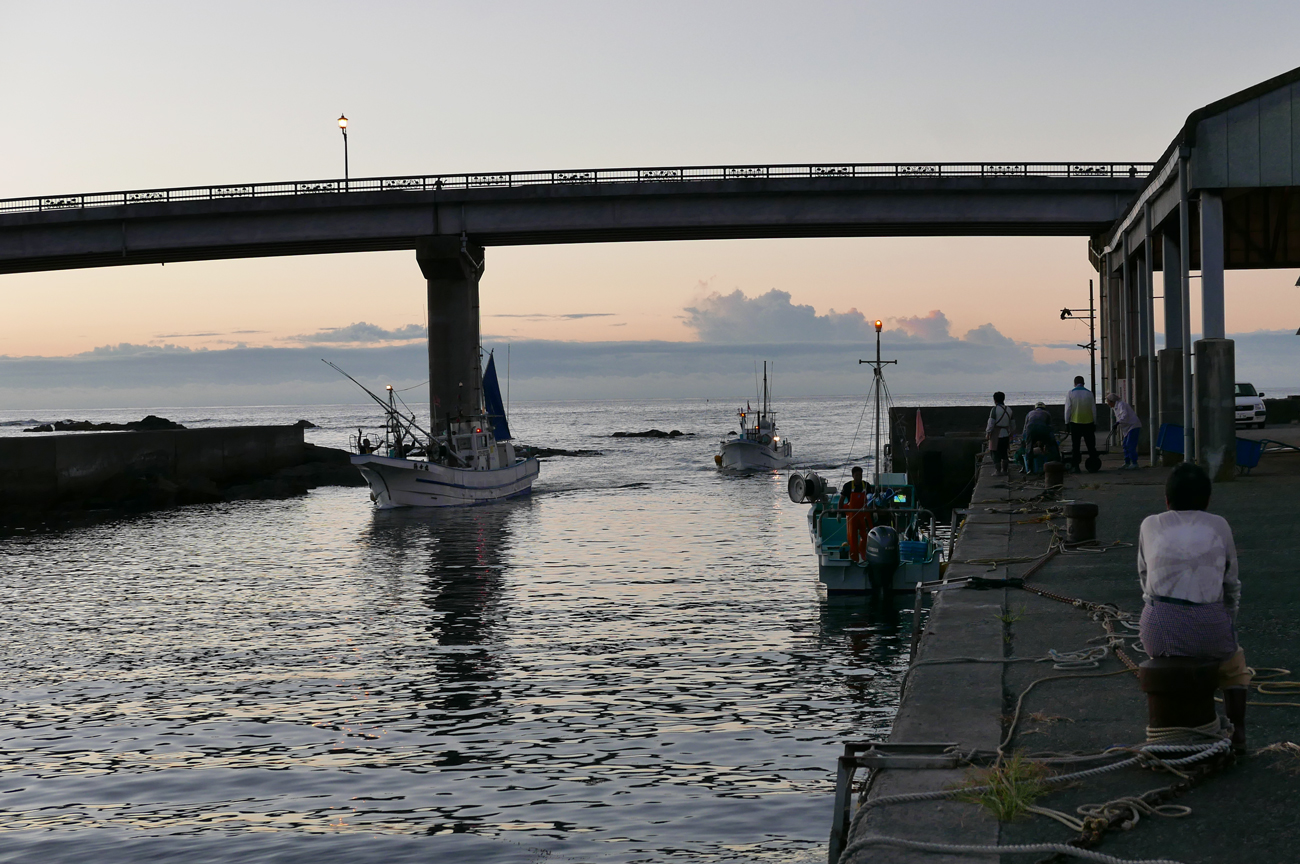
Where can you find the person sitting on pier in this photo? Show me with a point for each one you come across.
(853, 505)
(1187, 566)
(1038, 430)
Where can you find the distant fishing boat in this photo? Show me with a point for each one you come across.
(900, 548)
(758, 446)
(471, 461)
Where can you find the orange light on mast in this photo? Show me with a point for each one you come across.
(879, 324)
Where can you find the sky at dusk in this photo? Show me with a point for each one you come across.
(139, 95)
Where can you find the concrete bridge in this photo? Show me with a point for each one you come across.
(153, 226)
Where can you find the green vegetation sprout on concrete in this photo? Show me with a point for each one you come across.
(1007, 789)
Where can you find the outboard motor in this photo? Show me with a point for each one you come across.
(882, 558)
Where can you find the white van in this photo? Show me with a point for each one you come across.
(1250, 406)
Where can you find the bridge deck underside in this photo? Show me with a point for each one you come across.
(150, 233)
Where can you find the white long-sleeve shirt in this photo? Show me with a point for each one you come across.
(1080, 406)
(1188, 555)
(1125, 417)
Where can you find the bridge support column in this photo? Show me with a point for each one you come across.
(1216, 430)
(452, 268)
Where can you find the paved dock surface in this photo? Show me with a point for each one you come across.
(1249, 812)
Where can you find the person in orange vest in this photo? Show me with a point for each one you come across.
(853, 505)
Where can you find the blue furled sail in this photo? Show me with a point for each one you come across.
(492, 404)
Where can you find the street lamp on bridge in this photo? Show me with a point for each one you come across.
(1092, 335)
(343, 127)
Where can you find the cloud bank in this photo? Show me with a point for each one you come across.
(361, 333)
(810, 354)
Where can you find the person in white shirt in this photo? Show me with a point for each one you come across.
(1187, 566)
(1126, 426)
(998, 430)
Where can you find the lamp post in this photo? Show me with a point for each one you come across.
(1092, 335)
(343, 127)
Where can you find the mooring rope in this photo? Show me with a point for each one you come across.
(1023, 848)
(1146, 754)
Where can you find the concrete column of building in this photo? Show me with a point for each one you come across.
(1172, 291)
(1185, 292)
(1216, 428)
(1171, 356)
(1149, 333)
(1102, 323)
(1171, 396)
(1115, 330)
(1125, 390)
(1141, 379)
(1216, 432)
(453, 267)
(1212, 323)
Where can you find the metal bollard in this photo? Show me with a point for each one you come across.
(1080, 522)
(1054, 475)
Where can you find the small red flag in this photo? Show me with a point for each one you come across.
(920, 428)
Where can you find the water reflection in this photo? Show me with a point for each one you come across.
(463, 555)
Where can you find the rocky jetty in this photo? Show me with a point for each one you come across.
(528, 452)
(653, 433)
(151, 423)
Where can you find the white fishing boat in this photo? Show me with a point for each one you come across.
(471, 462)
(758, 446)
(900, 549)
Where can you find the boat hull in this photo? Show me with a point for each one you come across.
(743, 455)
(413, 483)
(845, 577)
(839, 575)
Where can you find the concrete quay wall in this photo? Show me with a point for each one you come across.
(41, 470)
(942, 467)
(1089, 710)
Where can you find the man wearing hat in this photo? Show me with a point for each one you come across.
(1038, 430)
(1126, 426)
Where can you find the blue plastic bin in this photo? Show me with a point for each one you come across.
(915, 551)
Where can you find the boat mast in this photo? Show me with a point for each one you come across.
(877, 385)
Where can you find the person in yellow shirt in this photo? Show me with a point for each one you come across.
(1081, 420)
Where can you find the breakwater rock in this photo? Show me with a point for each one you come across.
(151, 423)
(56, 480)
(654, 433)
(528, 452)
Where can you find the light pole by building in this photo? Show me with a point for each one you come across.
(343, 127)
(1092, 335)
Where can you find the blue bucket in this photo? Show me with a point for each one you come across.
(915, 551)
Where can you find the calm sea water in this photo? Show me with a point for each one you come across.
(632, 665)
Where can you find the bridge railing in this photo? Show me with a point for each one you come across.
(691, 174)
